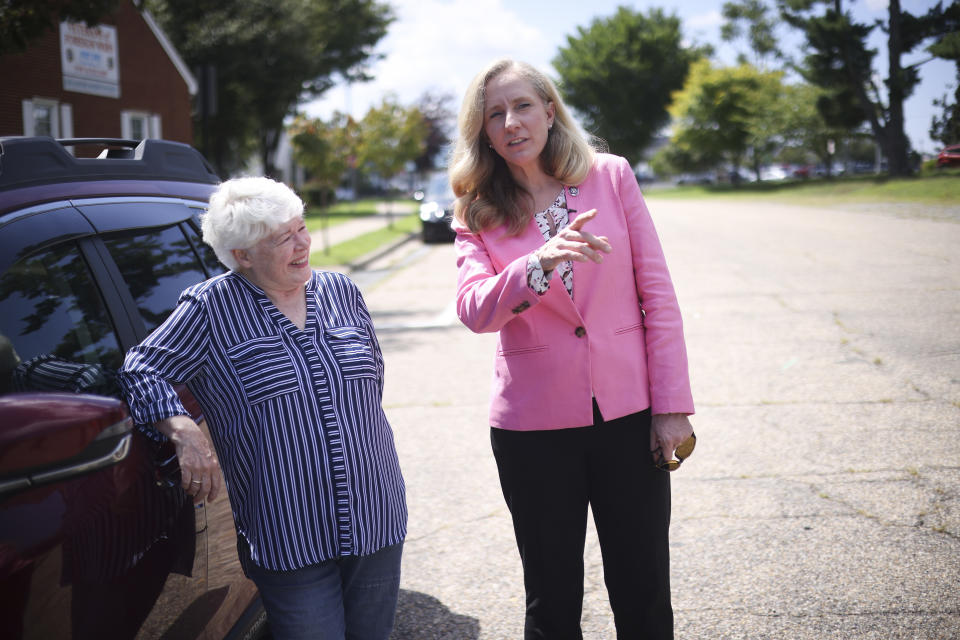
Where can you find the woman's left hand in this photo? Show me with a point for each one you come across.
(667, 432)
(573, 243)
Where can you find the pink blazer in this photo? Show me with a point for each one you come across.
(555, 352)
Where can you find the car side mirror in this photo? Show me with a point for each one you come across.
(49, 437)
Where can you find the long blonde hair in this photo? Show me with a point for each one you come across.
(487, 194)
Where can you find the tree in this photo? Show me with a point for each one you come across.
(390, 136)
(618, 74)
(439, 119)
(805, 127)
(946, 127)
(767, 124)
(22, 21)
(726, 115)
(326, 150)
(268, 55)
(752, 16)
(839, 61)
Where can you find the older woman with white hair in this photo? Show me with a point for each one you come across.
(288, 371)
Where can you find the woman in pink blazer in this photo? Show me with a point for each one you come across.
(557, 253)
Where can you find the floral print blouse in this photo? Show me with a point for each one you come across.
(550, 221)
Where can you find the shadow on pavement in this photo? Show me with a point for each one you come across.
(423, 617)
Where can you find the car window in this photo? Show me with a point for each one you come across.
(55, 334)
(207, 255)
(157, 266)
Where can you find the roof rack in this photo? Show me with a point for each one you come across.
(31, 161)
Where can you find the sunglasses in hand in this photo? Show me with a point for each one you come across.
(683, 452)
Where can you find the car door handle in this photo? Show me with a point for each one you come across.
(112, 445)
(115, 455)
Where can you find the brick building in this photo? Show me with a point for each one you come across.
(120, 78)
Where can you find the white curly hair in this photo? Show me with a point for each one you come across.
(243, 211)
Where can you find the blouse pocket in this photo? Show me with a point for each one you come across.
(264, 368)
(353, 352)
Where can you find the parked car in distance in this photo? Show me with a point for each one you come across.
(704, 178)
(736, 176)
(436, 209)
(773, 172)
(835, 170)
(97, 539)
(949, 156)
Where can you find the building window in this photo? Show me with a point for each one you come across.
(137, 125)
(41, 117)
(44, 120)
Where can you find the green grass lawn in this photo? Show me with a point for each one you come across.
(341, 212)
(352, 250)
(942, 188)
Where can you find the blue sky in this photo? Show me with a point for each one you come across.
(438, 45)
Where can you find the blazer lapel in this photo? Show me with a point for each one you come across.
(556, 298)
(508, 248)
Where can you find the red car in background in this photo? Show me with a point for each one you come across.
(949, 156)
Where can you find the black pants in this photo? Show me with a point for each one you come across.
(548, 479)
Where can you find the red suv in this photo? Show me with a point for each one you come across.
(97, 539)
(949, 156)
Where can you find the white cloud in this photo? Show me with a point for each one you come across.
(702, 28)
(707, 20)
(438, 46)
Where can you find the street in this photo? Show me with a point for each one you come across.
(823, 499)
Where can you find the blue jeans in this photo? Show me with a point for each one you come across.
(350, 598)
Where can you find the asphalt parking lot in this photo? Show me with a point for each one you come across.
(823, 500)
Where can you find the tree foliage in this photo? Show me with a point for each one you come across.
(326, 150)
(381, 144)
(619, 72)
(840, 62)
(726, 115)
(805, 128)
(22, 21)
(945, 127)
(439, 118)
(390, 136)
(742, 116)
(268, 55)
(755, 21)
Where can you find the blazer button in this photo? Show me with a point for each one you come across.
(580, 332)
(520, 308)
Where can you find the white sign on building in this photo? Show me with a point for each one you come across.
(89, 59)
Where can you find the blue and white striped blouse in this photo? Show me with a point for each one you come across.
(295, 415)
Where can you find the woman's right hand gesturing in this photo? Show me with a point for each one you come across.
(573, 243)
